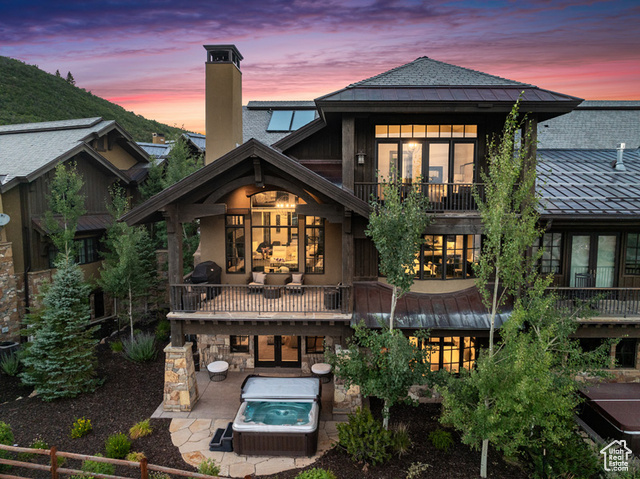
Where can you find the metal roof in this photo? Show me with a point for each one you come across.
(158, 150)
(461, 310)
(198, 140)
(584, 183)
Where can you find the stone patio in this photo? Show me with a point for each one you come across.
(192, 431)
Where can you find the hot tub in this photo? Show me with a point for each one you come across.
(278, 417)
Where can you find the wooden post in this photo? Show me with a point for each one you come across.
(348, 152)
(177, 333)
(54, 462)
(174, 244)
(347, 257)
(144, 473)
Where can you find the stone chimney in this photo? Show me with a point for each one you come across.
(223, 115)
(157, 138)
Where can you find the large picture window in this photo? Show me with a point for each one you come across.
(234, 244)
(632, 256)
(448, 257)
(314, 244)
(452, 353)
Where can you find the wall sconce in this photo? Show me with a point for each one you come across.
(360, 156)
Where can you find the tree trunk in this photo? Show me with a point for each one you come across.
(494, 310)
(131, 311)
(385, 415)
(394, 301)
(483, 460)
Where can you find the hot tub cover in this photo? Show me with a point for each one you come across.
(281, 388)
(619, 403)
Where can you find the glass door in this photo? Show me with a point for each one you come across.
(277, 351)
(593, 261)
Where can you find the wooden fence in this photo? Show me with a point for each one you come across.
(142, 467)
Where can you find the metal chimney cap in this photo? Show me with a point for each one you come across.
(621, 146)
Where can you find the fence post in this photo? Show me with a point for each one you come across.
(54, 462)
(144, 473)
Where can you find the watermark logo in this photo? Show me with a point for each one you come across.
(616, 456)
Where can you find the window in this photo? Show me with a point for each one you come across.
(314, 244)
(551, 261)
(314, 344)
(626, 353)
(448, 257)
(234, 243)
(239, 344)
(290, 120)
(453, 353)
(426, 131)
(87, 251)
(632, 257)
(274, 232)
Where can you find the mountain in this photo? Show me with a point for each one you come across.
(28, 94)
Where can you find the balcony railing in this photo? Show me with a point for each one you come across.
(442, 196)
(232, 298)
(618, 302)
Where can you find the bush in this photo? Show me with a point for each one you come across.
(400, 440)
(364, 438)
(6, 438)
(416, 469)
(159, 475)
(441, 439)
(141, 429)
(316, 473)
(141, 348)
(98, 467)
(573, 458)
(163, 330)
(10, 363)
(135, 456)
(116, 346)
(209, 467)
(81, 427)
(117, 446)
(37, 443)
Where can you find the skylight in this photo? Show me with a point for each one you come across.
(290, 120)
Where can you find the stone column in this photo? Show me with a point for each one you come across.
(180, 386)
(9, 317)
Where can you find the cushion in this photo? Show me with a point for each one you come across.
(259, 277)
(321, 368)
(297, 278)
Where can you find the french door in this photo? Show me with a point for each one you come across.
(593, 260)
(277, 351)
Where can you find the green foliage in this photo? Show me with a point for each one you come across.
(209, 467)
(441, 439)
(401, 440)
(396, 225)
(37, 443)
(117, 446)
(159, 475)
(141, 348)
(316, 473)
(384, 363)
(81, 427)
(135, 456)
(98, 467)
(572, 458)
(416, 469)
(364, 438)
(6, 438)
(116, 346)
(154, 183)
(28, 94)
(163, 330)
(141, 429)
(10, 364)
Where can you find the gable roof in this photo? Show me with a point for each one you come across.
(248, 151)
(593, 125)
(28, 150)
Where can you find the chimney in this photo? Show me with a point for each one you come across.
(157, 138)
(223, 115)
(619, 165)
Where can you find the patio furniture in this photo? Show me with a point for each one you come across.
(294, 285)
(218, 370)
(256, 282)
(332, 299)
(322, 371)
(272, 293)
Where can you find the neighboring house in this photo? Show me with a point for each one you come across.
(298, 205)
(104, 154)
(160, 149)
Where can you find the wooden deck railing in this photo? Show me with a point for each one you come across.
(442, 196)
(622, 302)
(238, 298)
(57, 471)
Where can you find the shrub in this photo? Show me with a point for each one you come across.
(141, 429)
(441, 439)
(37, 443)
(116, 346)
(135, 456)
(416, 469)
(10, 364)
(316, 473)
(573, 458)
(117, 446)
(209, 467)
(159, 475)
(81, 427)
(98, 467)
(364, 438)
(400, 440)
(141, 348)
(163, 329)
(6, 438)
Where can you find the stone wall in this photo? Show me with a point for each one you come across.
(180, 385)
(9, 314)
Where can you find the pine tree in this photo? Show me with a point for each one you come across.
(58, 74)
(70, 79)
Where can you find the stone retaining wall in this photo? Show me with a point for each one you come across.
(180, 385)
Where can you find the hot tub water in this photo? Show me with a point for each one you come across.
(275, 413)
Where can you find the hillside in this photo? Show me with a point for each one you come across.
(28, 94)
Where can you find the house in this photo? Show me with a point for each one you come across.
(271, 211)
(104, 154)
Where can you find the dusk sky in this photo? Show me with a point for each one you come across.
(148, 56)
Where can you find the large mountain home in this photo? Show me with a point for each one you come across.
(104, 154)
(284, 218)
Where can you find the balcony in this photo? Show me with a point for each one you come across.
(611, 303)
(442, 196)
(248, 301)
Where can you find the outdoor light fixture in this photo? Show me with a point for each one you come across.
(360, 155)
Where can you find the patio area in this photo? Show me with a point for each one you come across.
(192, 431)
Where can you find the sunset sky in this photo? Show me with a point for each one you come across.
(148, 56)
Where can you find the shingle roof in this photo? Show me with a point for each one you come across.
(425, 71)
(199, 141)
(584, 183)
(254, 125)
(593, 125)
(159, 150)
(286, 104)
